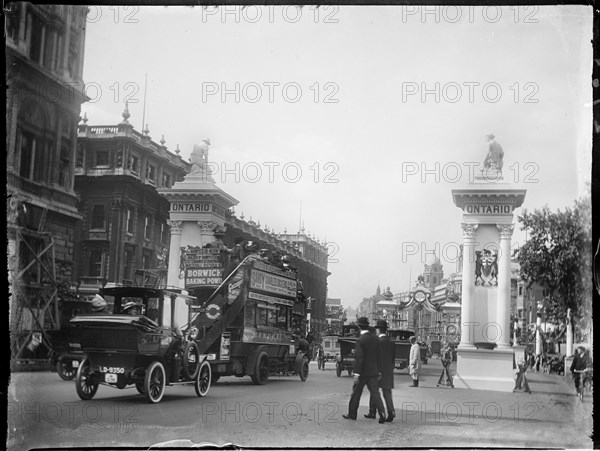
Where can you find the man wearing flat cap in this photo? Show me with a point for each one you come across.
(386, 383)
(367, 364)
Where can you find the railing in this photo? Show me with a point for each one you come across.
(104, 129)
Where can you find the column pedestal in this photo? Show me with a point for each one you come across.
(482, 369)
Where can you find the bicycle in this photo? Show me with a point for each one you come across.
(582, 381)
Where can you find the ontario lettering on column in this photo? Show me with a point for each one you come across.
(488, 209)
(190, 206)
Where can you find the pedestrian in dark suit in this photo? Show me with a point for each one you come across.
(367, 371)
(386, 383)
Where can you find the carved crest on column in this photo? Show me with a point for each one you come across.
(175, 226)
(506, 230)
(486, 268)
(468, 230)
(207, 226)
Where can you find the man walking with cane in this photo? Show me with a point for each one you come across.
(367, 371)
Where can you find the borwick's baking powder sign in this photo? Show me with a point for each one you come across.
(203, 268)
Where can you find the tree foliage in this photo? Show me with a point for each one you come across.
(558, 257)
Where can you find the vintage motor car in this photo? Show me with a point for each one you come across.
(347, 344)
(141, 346)
(400, 337)
(66, 353)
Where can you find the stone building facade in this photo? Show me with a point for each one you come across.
(124, 227)
(44, 62)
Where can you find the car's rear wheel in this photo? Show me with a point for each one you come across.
(261, 371)
(304, 370)
(154, 382)
(65, 370)
(85, 387)
(203, 379)
(191, 360)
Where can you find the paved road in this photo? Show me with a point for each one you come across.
(45, 411)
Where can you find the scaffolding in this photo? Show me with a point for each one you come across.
(33, 287)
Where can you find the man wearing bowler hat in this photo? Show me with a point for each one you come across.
(367, 364)
(386, 383)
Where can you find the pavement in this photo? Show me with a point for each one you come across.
(550, 417)
(44, 411)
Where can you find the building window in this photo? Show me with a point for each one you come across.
(98, 217)
(166, 180)
(102, 158)
(146, 261)
(127, 264)
(164, 233)
(31, 161)
(64, 168)
(147, 227)
(129, 223)
(151, 173)
(36, 45)
(134, 164)
(96, 258)
(13, 16)
(520, 290)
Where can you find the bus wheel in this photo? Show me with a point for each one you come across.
(304, 370)
(261, 370)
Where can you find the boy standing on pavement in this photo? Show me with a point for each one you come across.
(414, 362)
(367, 371)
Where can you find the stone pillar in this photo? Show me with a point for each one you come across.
(538, 336)
(173, 279)
(466, 308)
(503, 305)
(207, 234)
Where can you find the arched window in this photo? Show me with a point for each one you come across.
(34, 142)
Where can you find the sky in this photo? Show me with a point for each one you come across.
(356, 121)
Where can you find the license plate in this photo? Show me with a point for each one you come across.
(75, 364)
(110, 378)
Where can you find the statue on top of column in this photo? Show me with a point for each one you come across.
(199, 160)
(494, 158)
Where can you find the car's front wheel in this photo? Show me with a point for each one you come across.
(203, 379)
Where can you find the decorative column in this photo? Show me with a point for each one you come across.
(569, 350)
(503, 302)
(207, 232)
(538, 335)
(466, 308)
(173, 279)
